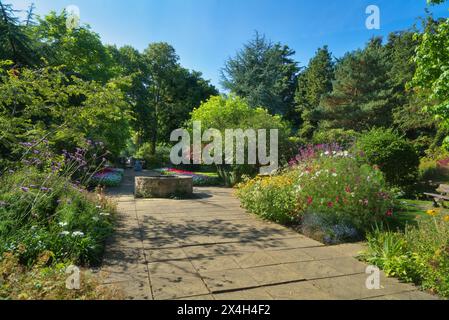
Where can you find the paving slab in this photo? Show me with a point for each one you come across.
(208, 248)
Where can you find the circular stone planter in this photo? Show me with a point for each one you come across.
(163, 187)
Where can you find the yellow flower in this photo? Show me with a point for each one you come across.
(446, 218)
(432, 213)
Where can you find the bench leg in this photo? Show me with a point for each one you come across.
(435, 203)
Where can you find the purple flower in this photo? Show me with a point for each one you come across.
(44, 189)
(25, 189)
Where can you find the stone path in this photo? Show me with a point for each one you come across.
(210, 248)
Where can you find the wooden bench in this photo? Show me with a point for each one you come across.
(439, 199)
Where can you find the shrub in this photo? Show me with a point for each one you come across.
(395, 156)
(419, 255)
(152, 161)
(331, 185)
(344, 138)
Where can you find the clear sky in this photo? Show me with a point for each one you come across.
(206, 32)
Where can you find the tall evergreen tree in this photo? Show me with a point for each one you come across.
(314, 82)
(14, 42)
(362, 93)
(264, 73)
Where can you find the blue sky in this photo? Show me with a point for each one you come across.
(207, 32)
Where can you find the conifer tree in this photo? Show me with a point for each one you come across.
(313, 83)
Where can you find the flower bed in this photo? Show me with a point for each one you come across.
(109, 177)
(326, 192)
(199, 179)
(420, 254)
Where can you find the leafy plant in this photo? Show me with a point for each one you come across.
(396, 157)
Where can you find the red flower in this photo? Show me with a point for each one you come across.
(330, 204)
(348, 189)
(389, 213)
(309, 200)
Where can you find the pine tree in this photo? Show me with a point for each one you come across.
(14, 43)
(362, 91)
(313, 83)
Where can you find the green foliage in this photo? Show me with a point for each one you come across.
(79, 50)
(361, 96)
(223, 113)
(335, 188)
(66, 110)
(264, 73)
(15, 44)
(394, 155)
(152, 161)
(431, 77)
(41, 212)
(344, 138)
(418, 255)
(314, 82)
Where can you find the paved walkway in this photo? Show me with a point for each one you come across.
(210, 248)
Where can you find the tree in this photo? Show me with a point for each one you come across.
(80, 50)
(65, 110)
(408, 115)
(14, 41)
(314, 82)
(431, 78)
(187, 92)
(264, 73)
(161, 65)
(361, 96)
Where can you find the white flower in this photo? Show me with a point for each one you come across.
(77, 234)
(105, 214)
(63, 224)
(346, 153)
(98, 207)
(64, 233)
(334, 175)
(326, 153)
(96, 219)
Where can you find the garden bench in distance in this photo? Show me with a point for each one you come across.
(443, 195)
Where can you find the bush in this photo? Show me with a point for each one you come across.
(331, 185)
(418, 255)
(395, 156)
(344, 138)
(153, 161)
